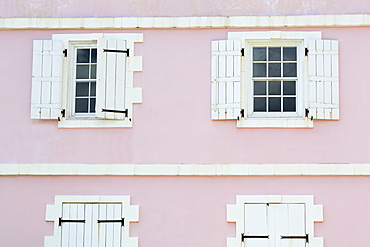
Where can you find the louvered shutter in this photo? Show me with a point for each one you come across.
(46, 79)
(323, 79)
(225, 84)
(256, 229)
(111, 79)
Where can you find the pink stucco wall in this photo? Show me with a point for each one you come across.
(111, 8)
(192, 213)
(173, 123)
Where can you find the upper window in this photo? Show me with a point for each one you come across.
(84, 80)
(275, 79)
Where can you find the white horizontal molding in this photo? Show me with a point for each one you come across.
(186, 22)
(186, 169)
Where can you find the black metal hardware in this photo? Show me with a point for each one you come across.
(116, 111)
(65, 52)
(297, 237)
(253, 236)
(69, 221)
(242, 113)
(118, 51)
(306, 52)
(306, 111)
(63, 112)
(122, 221)
(242, 51)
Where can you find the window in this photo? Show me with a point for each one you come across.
(274, 221)
(91, 221)
(275, 79)
(85, 80)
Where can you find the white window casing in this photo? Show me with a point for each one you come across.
(91, 221)
(317, 95)
(274, 220)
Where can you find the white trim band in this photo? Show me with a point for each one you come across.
(185, 169)
(187, 22)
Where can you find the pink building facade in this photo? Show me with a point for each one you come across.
(209, 123)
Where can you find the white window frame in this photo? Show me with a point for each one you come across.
(130, 213)
(313, 213)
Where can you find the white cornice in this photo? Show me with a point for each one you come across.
(187, 22)
(185, 169)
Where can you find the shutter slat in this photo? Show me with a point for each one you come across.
(225, 84)
(102, 234)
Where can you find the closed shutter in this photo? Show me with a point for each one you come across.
(256, 229)
(225, 84)
(46, 79)
(111, 79)
(323, 79)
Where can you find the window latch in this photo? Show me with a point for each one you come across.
(306, 51)
(118, 51)
(295, 237)
(69, 221)
(65, 52)
(122, 221)
(253, 236)
(242, 51)
(116, 111)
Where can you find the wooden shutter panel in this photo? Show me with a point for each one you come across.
(111, 79)
(292, 224)
(73, 233)
(225, 84)
(109, 234)
(46, 79)
(256, 224)
(323, 79)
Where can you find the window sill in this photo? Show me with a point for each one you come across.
(274, 123)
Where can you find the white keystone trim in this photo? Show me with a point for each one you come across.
(186, 22)
(235, 213)
(53, 212)
(185, 169)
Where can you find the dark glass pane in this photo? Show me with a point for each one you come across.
(274, 54)
(92, 105)
(259, 70)
(83, 55)
(274, 104)
(259, 53)
(260, 88)
(289, 104)
(93, 72)
(82, 89)
(93, 55)
(92, 89)
(289, 69)
(289, 88)
(82, 72)
(81, 105)
(290, 53)
(274, 87)
(259, 104)
(274, 69)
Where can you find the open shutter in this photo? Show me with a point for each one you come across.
(73, 224)
(292, 225)
(323, 79)
(256, 230)
(110, 224)
(225, 84)
(46, 79)
(110, 102)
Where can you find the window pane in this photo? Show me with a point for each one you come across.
(93, 72)
(289, 104)
(81, 105)
(82, 89)
(83, 55)
(92, 105)
(260, 88)
(290, 70)
(259, 70)
(289, 88)
(274, 54)
(92, 88)
(290, 53)
(82, 72)
(274, 69)
(93, 55)
(274, 88)
(274, 104)
(260, 104)
(259, 53)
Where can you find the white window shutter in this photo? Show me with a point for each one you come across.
(46, 79)
(111, 79)
(109, 233)
(73, 232)
(225, 84)
(256, 226)
(323, 79)
(290, 219)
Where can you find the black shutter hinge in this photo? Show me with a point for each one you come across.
(63, 113)
(118, 51)
(116, 111)
(242, 51)
(69, 221)
(295, 237)
(306, 112)
(241, 114)
(253, 236)
(65, 52)
(306, 52)
(122, 221)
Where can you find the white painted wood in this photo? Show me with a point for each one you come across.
(46, 79)
(323, 79)
(102, 228)
(225, 83)
(256, 224)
